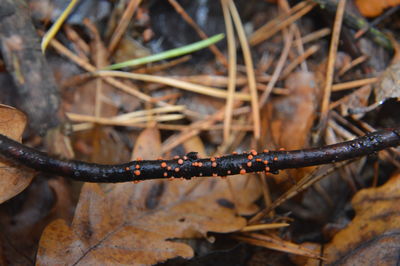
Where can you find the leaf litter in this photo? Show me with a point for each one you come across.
(14, 178)
(136, 223)
(146, 223)
(372, 237)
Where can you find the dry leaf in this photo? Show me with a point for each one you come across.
(373, 8)
(373, 237)
(289, 119)
(100, 145)
(57, 143)
(357, 100)
(389, 84)
(24, 217)
(133, 223)
(14, 179)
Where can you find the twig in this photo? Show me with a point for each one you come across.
(35, 86)
(123, 24)
(191, 166)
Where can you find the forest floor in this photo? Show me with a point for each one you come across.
(287, 75)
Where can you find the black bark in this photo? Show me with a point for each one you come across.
(190, 166)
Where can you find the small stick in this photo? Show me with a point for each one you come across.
(190, 165)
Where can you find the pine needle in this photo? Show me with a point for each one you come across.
(57, 25)
(168, 54)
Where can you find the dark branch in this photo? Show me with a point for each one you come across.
(190, 166)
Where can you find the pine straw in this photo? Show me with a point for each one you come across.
(240, 114)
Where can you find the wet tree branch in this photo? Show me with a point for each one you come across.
(190, 165)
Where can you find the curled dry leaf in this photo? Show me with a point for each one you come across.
(14, 179)
(134, 223)
(373, 237)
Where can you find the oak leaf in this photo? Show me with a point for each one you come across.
(14, 179)
(373, 236)
(136, 223)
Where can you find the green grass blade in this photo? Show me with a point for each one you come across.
(168, 54)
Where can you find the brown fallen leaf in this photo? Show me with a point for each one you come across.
(373, 8)
(357, 100)
(389, 84)
(373, 236)
(134, 223)
(14, 179)
(24, 217)
(288, 119)
(387, 87)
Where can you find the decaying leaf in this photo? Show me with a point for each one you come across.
(373, 237)
(357, 100)
(389, 84)
(13, 179)
(136, 223)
